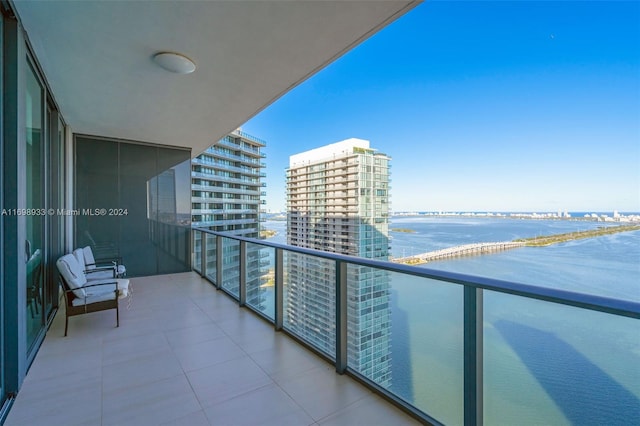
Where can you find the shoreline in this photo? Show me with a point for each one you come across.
(547, 240)
(478, 249)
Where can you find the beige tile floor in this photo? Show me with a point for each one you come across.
(185, 354)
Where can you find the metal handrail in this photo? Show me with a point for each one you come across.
(625, 308)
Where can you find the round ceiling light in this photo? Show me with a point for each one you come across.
(175, 62)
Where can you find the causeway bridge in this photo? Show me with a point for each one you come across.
(459, 251)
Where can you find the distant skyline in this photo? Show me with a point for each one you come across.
(495, 106)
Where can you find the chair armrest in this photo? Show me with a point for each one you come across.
(99, 284)
(111, 269)
(116, 259)
(100, 269)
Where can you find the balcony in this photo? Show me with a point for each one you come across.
(249, 137)
(217, 152)
(221, 178)
(186, 354)
(212, 165)
(449, 348)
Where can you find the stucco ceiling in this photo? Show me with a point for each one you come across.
(97, 57)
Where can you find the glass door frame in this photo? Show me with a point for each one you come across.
(3, 324)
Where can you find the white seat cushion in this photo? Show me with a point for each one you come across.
(79, 255)
(94, 298)
(72, 273)
(89, 260)
(103, 292)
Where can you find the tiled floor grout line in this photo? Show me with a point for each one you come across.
(197, 306)
(273, 381)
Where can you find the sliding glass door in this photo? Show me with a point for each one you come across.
(32, 189)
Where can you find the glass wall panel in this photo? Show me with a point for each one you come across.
(133, 202)
(197, 251)
(546, 363)
(369, 323)
(211, 257)
(310, 300)
(418, 324)
(35, 222)
(261, 270)
(173, 208)
(231, 266)
(139, 233)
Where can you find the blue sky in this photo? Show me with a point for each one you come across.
(483, 106)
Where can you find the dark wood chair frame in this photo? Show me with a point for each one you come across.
(71, 310)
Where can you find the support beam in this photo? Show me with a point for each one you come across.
(218, 262)
(242, 281)
(203, 254)
(473, 354)
(279, 289)
(341, 317)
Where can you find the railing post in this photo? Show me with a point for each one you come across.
(218, 262)
(341, 317)
(203, 254)
(242, 290)
(279, 290)
(473, 353)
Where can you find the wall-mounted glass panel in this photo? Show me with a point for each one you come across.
(96, 186)
(173, 208)
(133, 201)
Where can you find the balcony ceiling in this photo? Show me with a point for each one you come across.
(97, 57)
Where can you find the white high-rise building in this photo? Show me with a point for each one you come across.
(338, 201)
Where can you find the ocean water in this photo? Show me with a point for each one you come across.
(543, 363)
(606, 266)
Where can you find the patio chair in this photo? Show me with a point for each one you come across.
(95, 273)
(83, 296)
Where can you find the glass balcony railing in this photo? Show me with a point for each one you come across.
(215, 188)
(250, 137)
(215, 151)
(450, 348)
(197, 251)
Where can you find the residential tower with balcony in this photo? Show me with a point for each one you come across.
(338, 201)
(226, 196)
